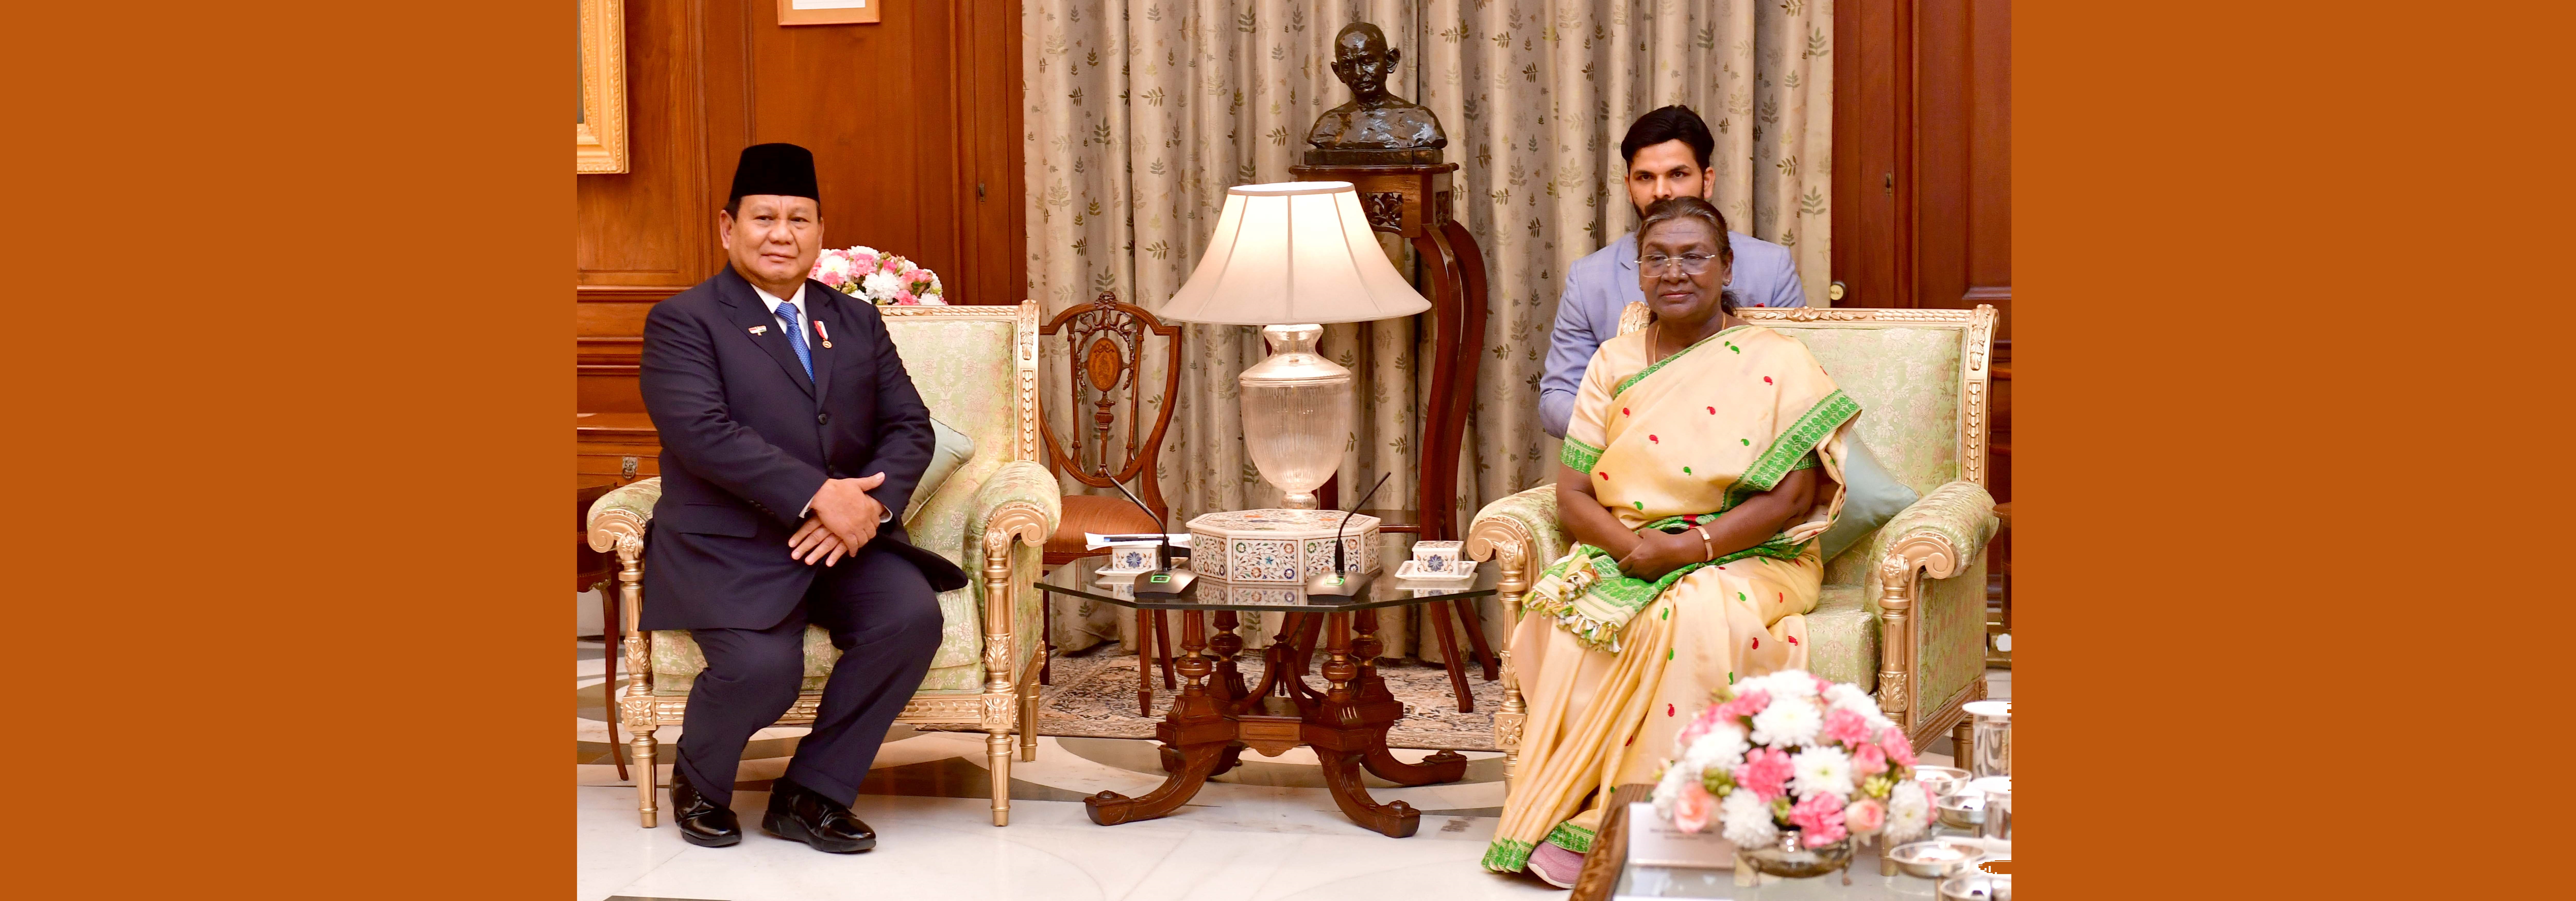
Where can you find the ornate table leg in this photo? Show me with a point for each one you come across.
(1337, 730)
(1196, 725)
(1379, 710)
(1229, 691)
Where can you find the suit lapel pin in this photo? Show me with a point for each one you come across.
(760, 330)
(820, 333)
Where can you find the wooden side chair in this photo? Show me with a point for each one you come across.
(1105, 357)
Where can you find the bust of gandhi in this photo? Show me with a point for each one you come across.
(1376, 126)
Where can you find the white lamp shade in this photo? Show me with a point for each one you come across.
(1293, 252)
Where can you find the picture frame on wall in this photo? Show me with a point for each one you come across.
(599, 124)
(828, 12)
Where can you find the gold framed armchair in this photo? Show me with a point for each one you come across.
(976, 369)
(1903, 611)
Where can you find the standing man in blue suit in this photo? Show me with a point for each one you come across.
(1668, 153)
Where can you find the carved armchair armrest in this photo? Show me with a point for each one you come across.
(1519, 535)
(1937, 537)
(1020, 485)
(1017, 503)
(1940, 532)
(625, 511)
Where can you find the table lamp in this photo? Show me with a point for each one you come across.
(1291, 257)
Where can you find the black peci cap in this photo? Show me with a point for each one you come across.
(782, 169)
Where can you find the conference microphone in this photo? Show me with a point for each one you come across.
(1162, 582)
(1341, 581)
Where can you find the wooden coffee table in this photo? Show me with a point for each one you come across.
(1217, 716)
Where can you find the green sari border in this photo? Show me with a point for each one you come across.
(1629, 595)
(1570, 837)
(1578, 456)
(1659, 364)
(1508, 856)
(1799, 440)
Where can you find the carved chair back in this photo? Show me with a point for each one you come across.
(1105, 358)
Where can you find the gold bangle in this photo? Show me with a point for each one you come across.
(1707, 551)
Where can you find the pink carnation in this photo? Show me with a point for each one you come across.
(1765, 773)
(1867, 761)
(1822, 685)
(1693, 807)
(862, 264)
(1699, 726)
(830, 278)
(903, 298)
(1819, 817)
(1845, 727)
(1745, 705)
(1898, 749)
(1865, 816)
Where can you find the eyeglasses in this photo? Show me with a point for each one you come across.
(1691, 263)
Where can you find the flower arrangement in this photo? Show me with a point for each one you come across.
(1792, 753)
(882, 278)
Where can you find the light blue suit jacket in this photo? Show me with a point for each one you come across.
(1601, 285)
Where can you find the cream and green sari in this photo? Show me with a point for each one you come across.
(1611, 666)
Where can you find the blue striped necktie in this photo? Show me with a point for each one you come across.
(796, 338)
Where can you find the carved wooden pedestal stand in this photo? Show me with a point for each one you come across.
(1412, 200)
(1208, 726)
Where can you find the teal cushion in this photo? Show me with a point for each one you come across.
(949, 450)
(1870, 498)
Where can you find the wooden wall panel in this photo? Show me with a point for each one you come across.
(634, 227)
(914, 123)
(1923, 153)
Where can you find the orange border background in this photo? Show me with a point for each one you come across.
(287, 426)
(287, 395)
(2289, 458)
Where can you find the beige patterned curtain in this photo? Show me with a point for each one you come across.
(1142, 112)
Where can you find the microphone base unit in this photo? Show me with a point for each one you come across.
(1349, 584)
(1163, 584)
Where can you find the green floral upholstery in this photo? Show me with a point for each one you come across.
(1842, 638)
(1907, 382)
(967, 375)
(636, 497)
(1535, 509)
(1908, 379)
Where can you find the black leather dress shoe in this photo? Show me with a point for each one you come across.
(799, 813)
(702, 822)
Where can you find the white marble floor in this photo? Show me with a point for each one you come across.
(1266, 832)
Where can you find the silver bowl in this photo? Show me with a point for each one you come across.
(1964, 810)
(1934, 858)
(1942, 780)
(1977, 887)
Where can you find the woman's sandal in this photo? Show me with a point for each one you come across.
(1554, 865)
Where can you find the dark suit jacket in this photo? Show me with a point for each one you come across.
(747, 439)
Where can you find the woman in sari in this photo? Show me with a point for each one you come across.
(1703, 460)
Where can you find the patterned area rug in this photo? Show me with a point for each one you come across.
(1094, 696)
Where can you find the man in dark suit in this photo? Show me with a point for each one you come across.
(790, 432)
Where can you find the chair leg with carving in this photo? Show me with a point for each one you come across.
(645, 777)
(997, 747)
(1028, 723)
(1963, 748)
(608, 689)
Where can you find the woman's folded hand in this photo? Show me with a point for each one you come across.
(1658, 553)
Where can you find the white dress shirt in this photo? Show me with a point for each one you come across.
(770, 302)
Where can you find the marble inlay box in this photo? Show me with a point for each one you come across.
(1279, 546)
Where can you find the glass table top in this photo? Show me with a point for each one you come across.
(1640, 880)
(1082, 578)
